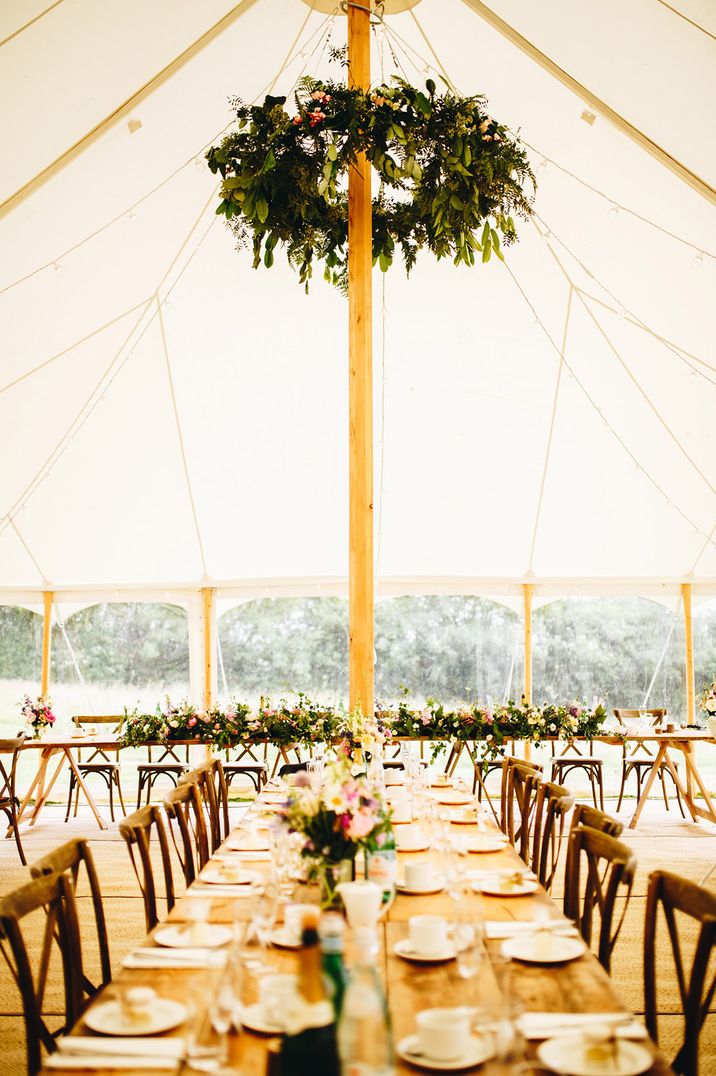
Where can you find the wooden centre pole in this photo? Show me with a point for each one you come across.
(689, 637)
(360, 389)
(207, 600)
(47, 598)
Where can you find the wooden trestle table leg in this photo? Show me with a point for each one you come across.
(658, 759)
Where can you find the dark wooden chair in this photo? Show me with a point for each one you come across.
(598, 866)
(291, 767)
(517, 798)
(572, 760)
(671, 894)
(187, 824)
(246, 764)
(70, 859)
(137, 829)
(637, 759)
(552, 805)
(55, 895)
(103, 762)
(9, 803)
(167, 765)
(584, 815)
(209, 779)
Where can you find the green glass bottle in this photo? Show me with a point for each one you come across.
(381, 862)
(331, 931)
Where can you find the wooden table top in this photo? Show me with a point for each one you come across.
(579, 986)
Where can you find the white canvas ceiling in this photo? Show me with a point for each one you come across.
(170, 416)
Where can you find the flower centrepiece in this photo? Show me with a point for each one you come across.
(37, 715)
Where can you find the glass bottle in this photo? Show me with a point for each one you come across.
(365, 1042)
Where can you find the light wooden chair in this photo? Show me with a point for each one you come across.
(70, 859)
(552, 805)
(102, 762)
(54, 894)
(137, 829)
(187, 824)
(571, 760)
(584, 815)
(598, 867)
(9, 803)
(209, 779)
(638, 759)
(670, 894)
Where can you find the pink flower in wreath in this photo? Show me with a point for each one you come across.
(297, 120)
(488, 718)
(191, 722)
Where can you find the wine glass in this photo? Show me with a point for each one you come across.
(263, 920)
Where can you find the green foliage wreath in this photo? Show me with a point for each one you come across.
(451, 176)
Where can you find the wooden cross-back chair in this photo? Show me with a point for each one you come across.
(69, 859)
(187, 824)
(584, 815)
(102, 762)
(209, 779)
(54, 894)
(599, 868)
(669, 894)
(638, 758)
(9, 803)
(137, 829)
(517, 799)
(552, 804)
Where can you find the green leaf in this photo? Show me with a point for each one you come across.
(332, 152)
(221, 208)
(269, 161)
(268, 258)
(430, 86)
(455, 202)
(486, 233)
(385, 261)
(486, 251)
(262, 209)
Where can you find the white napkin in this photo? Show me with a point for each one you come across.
(110, 1061)
(157, 957)
(220, 889)
(502, 872)
(549, 1025)
(169, 1048)
(497, 928)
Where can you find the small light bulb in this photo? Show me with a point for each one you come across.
(132, 217)
(697, 260)
(613, 213)
(546, 236)
(59, 269)
(199, 164)
(542, 166)
(693, 374)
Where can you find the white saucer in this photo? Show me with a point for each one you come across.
(441, 784)
(485, 844)
(567, 1055)
(211, 936)
(404, 949)
(478, 1051)
(254, 1019)
(421, 847)
(436, 886)
(496, 887)
(283, 940)
(469, 819)
(216, 876)
(544, 947)
(234, 844)
(107, 1018)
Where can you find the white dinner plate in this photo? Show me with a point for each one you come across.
(503, 887)
(404, 949)
(254, 1018)
(479, 1050)
(207, 935)
(441, 784)
(436, 886)
(571, 1056)
(467, 818)
(418, 846)
(485, 844)
(235, 844)
(453, 799)
(108, 1019)
(216, 876)
(285, 940)
(544, 947)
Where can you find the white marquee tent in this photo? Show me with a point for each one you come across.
(171, 418)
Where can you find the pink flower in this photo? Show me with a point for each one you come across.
(496, 138)
(488, 718)
(297, 119)
(362, 824)
(191, 722)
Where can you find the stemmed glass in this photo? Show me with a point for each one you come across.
(262, 922)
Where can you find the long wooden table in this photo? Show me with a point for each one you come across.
(579, 986)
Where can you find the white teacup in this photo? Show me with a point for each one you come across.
(394, 776)
(293, 919)
(362, 902)
(276, 992)
(443, 1034)
(428, 933)
(419, 874)
(138, 1003)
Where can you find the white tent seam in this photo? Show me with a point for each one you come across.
(77, 343)
(679, 352)
(635, 381)
(194, 157)
(691, 22)
(707, 543)
(550, 434)
(157, 80)
(29, 23)
(599, 411)
(180, 436)
(27, 549)
(506, 30)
